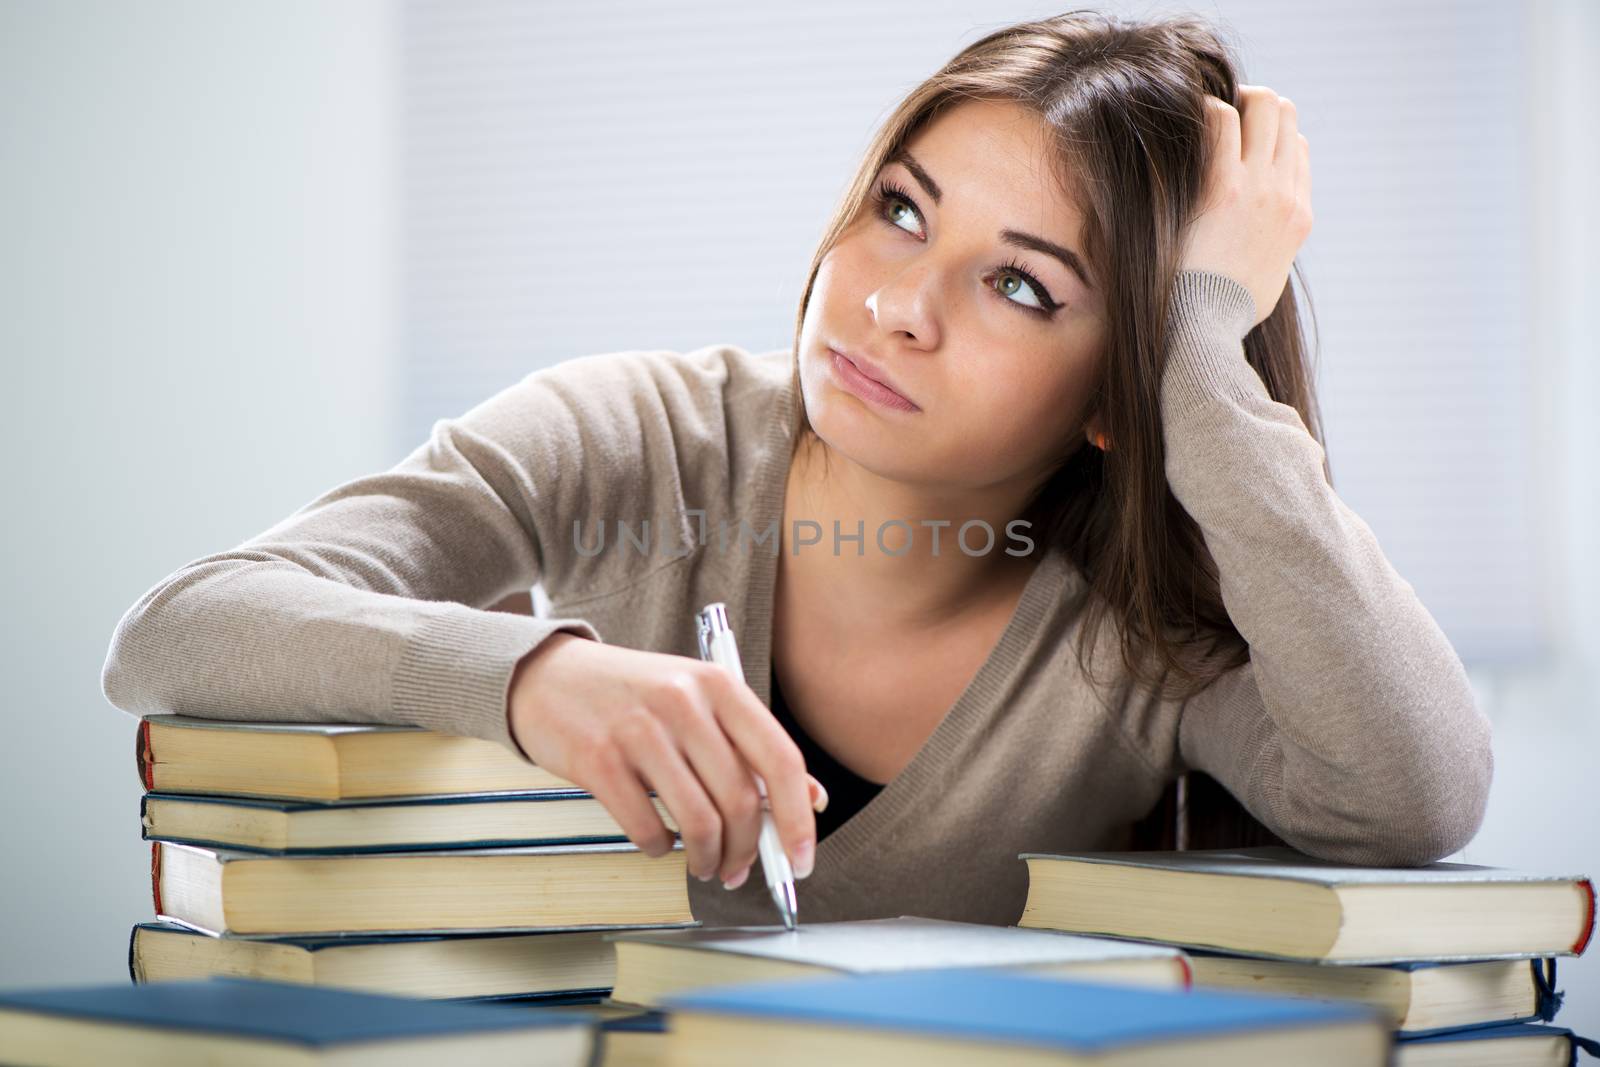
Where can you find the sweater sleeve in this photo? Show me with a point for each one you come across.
(1352, 732)
(368, 604)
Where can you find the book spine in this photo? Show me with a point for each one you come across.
(155, 874)
(133, 938)
(1588, 923)
(147, 760)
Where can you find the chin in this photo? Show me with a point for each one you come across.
(854, 432)
(842, 421)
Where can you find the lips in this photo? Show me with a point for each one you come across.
(873, 371)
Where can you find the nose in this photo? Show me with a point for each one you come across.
(906, 304)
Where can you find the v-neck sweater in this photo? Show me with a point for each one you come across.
(1351, 732)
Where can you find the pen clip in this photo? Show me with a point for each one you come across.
(710, 621)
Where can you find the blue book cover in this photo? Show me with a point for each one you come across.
(653, 1021)
(282, 1012)
(998, 1007)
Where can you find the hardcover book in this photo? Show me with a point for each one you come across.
(576, 963)
(1512, 1045)
(1415, 996)
(462, 820)
(652, 964)
(1279, 903)
(324, 761)
(230, 1020)
(967, 1015)
(451, 891)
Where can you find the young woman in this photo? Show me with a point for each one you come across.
(1033, 518)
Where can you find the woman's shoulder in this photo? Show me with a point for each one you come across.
(709, 368)
(653, 435)
(737, 382)
(689, 391)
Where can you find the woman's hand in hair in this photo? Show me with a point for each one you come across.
(616, 721)
(1256, 210)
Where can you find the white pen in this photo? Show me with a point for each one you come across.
(718, 646)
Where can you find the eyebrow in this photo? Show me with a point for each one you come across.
(1067, 256)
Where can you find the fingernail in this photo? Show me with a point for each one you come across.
(737, 880)
(821, 801)
(804, 856)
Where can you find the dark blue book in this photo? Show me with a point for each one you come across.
(637, 1037)
(311, 827)
(976, 1015)
(546, 964)
(1507, 1045)
(223, 1020)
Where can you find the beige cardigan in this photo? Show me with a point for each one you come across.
(1352, 732)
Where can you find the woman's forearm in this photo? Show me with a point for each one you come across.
(1353, 731)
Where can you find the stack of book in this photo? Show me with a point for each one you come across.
(1455, 963)
(392, 860)
(386, 859)
(1459, 958)
(655, 966)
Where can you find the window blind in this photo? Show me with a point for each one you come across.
(582, 178)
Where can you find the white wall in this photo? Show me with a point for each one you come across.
(196, 309)
(1543, 812)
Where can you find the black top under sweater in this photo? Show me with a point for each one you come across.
(848, 792)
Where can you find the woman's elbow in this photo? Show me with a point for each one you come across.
(1431, 830)
(1434, 810)
(124, 677)
(1455, 796)
(1448, 814)
(145, 659)
(1407, 813)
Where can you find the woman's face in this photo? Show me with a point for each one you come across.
(994, 342)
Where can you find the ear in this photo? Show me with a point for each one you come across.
(1093, 429)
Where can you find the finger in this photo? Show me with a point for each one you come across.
(726, 777)
(655, 754)
(772, 753)
(1222, 131)
(1258, 123)
(621, 793)
(1222, 119)
(1286, 153)
(819, 795)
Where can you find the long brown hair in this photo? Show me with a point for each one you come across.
(1125, 102)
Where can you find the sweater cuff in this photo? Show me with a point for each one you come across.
(454, 674)
(1208, 316)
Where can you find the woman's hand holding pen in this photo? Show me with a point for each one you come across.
(618, 721)
(1255, 212)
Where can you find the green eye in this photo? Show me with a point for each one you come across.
(889, 198)
(1042, 301)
